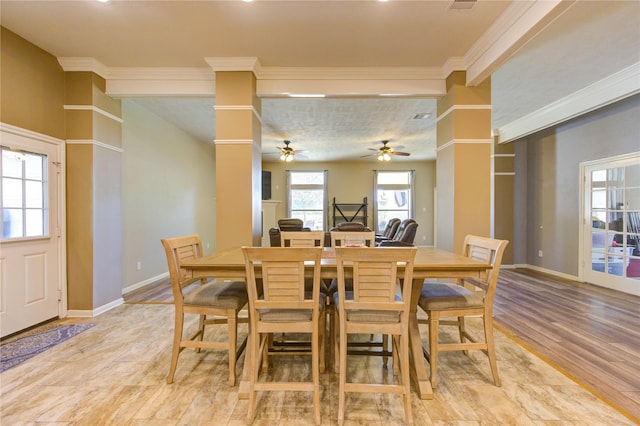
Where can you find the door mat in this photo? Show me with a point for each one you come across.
(20, 350)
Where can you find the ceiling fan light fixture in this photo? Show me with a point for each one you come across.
(384, 157)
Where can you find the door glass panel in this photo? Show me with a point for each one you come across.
(24, 207)
(615, 221)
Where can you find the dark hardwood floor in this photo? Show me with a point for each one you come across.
(590, 333)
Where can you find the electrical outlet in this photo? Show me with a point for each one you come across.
(139, 266)
(539, 253)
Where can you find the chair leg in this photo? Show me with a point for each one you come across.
(433, 347)
(177, 338)
(342, 362)
(403, 355)
(491, 350)
(322, 336)
(315, 345)
(394, 355)
(462, 332)
(254, 369)
(232, 327)
(201, 324)
(385, 347)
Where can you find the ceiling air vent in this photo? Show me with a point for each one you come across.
(462, 4)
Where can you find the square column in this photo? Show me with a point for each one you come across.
(463, 163)
(238, 160)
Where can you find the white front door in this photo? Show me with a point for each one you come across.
(31, 244)
(611, 225)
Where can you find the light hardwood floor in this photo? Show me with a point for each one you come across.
(115, 373)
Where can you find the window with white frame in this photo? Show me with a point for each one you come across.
(24, 188)
(393, 192)
(306, 197)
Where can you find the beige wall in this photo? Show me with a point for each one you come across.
(32, 95)
(350, 182)
(168, 190)
(547, 184)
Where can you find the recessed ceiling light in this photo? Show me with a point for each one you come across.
(421, 116)
(462, 4)
(307, 95)
(103, 1)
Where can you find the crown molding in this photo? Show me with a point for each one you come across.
(235, 64)
(520, 21)
(454, 63)
(351, 73)
(272, 81)
(84, 64)
(604, 92)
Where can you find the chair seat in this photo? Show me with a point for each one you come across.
(232, 295)
(368, 316)
(290, 315)
(440, 296)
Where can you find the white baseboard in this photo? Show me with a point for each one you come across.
(549, 271)
(72, 313)
(145, 283)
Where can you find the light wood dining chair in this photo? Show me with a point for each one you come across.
(375, 305)
(214, 302)
(353, 238)
(347, 239)
(282, 306)
(469, 297)
(303, 239)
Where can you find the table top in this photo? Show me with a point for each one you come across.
(429, 260)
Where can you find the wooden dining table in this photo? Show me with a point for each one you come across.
(429, 263)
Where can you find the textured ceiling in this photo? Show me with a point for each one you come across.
(334, 34)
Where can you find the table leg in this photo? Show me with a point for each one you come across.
(418, 366)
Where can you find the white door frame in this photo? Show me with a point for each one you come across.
(584, 236)
(60, 231)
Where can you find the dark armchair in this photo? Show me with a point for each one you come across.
(286, 224)
(389, 230)
(404, 237)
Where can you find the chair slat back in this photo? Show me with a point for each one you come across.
(488, 250)
(179, 250)
(302, 238)
(350, 238)
(282, 272)
(375, 272)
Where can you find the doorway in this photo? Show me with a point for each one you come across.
(611, 223)
(32, 272)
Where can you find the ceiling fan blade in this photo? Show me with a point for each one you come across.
(373, 149)
(406, 154)
(368, 155)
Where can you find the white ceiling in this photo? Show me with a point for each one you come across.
(577, 44)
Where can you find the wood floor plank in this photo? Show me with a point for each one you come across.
(590, 333)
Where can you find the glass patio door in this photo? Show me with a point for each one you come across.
(611, 232)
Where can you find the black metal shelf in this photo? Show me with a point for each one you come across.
(350, 212)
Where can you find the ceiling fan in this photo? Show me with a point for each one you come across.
(287, 153)
(385, 152)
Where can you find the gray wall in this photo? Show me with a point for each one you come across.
(547, 200)
(168, 190)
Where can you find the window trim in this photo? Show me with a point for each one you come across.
(376, 187)
(325, 192)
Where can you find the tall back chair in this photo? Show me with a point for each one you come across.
(470, 297)
(403, 238)
(375, 305)
(353, 238)
(214, 302)
(302, 238)
(282, 306)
